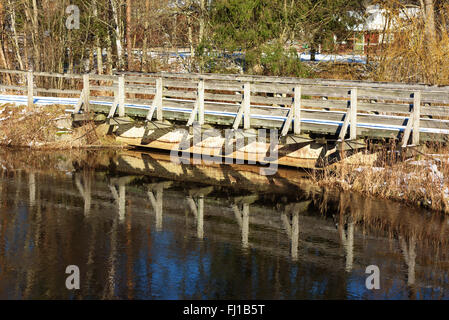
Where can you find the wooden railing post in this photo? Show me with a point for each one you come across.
(121, 96)
(297, 111)
(86, 89)
(416, 117)
(159, 97)
(247, 106)
(30, 88)
(353, 115)
(201, 102)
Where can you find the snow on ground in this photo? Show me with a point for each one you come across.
(348, 58)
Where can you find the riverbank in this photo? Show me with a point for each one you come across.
(49, 127)
(421, 180)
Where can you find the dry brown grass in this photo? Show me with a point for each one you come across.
(421, 180)
(40, 128)
(408, 57)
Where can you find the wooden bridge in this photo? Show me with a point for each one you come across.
(338, 114)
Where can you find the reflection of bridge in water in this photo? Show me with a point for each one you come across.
(279, 217)
(273, 216)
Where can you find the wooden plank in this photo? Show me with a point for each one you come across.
(58, 75)
(13, 71)
(180, 94)
(58, 91)
(238, 118)
(113, 107)
(103, 88)
(15, 88)
(407, 132)
(287, 123)
(344, 128)
(193, 114)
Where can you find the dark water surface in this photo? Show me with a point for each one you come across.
(141, 227)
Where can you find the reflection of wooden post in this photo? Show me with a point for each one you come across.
(120, 197)
(32, 186)
(200, 218)
(293, 229)
(122, 201)
(157, 204)
(197, 207)
(242, 215)
(158, 208)
(85, 191)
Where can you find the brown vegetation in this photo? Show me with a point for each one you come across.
(48, 127)
(420, 180)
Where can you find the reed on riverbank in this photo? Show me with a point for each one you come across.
(48, 127)
(419, 180)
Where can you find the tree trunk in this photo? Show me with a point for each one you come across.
(35, 23)
(430, 22)
(97, 45)
(190, 39)
(14, 31)
(3, 61)
(128, 33)
(118, 34)
(143, 65)
(202, 20)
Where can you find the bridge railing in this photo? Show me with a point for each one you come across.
(346, 109)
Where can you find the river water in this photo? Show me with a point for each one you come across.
(141, 227)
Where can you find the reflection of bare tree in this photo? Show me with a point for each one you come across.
(346, 230)
(409, 253)
(112, 262)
